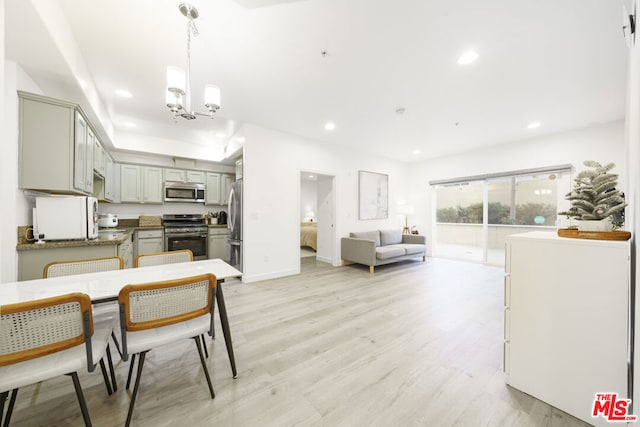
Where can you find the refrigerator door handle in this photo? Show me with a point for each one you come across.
(232, 210)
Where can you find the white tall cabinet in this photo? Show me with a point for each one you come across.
(566, 323)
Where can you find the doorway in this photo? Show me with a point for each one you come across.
(317, 218)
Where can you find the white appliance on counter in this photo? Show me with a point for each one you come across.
(567, 320)
(107, 220)
(66, 218)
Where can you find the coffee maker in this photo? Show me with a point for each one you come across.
(222, 217)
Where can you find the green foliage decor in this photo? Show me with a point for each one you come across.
(594, 195)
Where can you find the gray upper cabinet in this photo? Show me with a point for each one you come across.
(54, 137)
(140, 184)
(181, 175)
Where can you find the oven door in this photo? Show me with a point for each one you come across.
(196, 243)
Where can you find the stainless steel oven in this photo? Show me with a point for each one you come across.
(186, 231)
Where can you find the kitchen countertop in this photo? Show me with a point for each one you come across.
(104, 238)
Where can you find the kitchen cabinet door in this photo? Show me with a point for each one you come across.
(219, 247)
(80, 150)
(225, 185)
(88, 161)
(152, 185)
(130, 184)
(197, 177)
(213, 189)
(177, 175)
(110, 180)
(99, 159)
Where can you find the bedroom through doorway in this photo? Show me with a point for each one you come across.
(316, 215)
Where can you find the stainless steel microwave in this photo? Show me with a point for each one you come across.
(183, 192)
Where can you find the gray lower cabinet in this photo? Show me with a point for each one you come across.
(149, 242)
(31, 262)
(218, 245)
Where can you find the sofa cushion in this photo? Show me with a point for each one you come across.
(367, 235)
(414, 248)
(392, 251)
(390, 237)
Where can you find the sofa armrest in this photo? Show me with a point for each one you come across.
(361, 251)
(414, 239)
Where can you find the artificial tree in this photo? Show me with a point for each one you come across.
(594, 195)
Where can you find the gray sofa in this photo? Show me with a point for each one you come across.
(379, 247)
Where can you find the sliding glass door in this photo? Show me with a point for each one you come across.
(473, 218)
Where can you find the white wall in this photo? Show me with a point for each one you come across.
(603, 143)
(633, 192)
(272, 165)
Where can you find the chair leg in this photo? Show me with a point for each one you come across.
(3, 396)
(133, 361)
(115, 341)
(111, 370)
(83, 404)
(135, 387)
(107, 383)
(204, 344)
(204, 367)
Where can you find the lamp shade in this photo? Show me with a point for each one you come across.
(176, 81)
(212, 96)
(406, 209)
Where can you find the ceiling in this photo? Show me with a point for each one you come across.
(561, 63)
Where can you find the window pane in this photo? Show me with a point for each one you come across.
(459, 232)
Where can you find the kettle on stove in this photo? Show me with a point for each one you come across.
(222, 217)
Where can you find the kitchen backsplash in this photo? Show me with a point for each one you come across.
(134, 210)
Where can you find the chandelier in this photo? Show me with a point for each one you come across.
(178, 82)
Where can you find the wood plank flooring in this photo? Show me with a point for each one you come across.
(416, 344)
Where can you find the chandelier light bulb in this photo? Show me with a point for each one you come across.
(176, 80)
(212, 97)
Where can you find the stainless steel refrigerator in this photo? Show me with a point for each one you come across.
(234, 224)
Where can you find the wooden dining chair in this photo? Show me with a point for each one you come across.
(46, 338)
(101, 310)
(159, 258)
(160, 313)
(92, 265)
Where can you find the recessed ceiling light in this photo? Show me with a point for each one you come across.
(130, 125)
(124, 93)
(416, 152)
(311, 176)
(329, 126)
(468, 57)
(534, 125)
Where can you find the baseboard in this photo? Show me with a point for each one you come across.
(323, 259)
(271, 275)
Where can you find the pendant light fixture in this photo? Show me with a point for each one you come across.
(178, 96)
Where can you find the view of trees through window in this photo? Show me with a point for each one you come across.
(499, 213)
(514, 204)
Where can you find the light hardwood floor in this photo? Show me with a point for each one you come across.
(416, 344)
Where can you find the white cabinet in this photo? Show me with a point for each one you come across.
(197, 177)
(125, 250)
(225, 185)
(53, 145)
(149, 242)
(177, 175)
(110, 179)
(218, 186)
(566, 319)
(152, 185)
(130, 184)
(213, 189)
(99, 159)
(140, 184)
(181, 175)
(218, 245)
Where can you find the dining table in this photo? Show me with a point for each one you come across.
(105, 286)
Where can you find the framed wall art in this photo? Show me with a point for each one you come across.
(373, 195)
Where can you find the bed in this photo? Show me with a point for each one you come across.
(309, 235)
